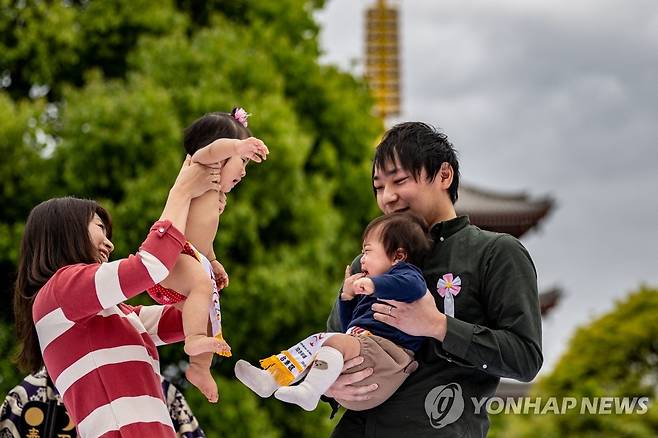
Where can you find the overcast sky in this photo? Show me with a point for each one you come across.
(550, 97)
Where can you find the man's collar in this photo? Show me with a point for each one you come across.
(447, 228)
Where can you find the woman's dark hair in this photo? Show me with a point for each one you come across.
(402, 230)
(56, 235)
(210, 127)
(418, 146)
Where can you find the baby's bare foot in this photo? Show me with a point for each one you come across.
(199, 344)
(224, 349)
(203, 380)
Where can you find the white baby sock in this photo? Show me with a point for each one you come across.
(323, 373)
(259, 381)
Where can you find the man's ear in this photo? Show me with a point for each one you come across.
(445, 175)
(400, 255)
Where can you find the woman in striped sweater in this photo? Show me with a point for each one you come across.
(70, 316)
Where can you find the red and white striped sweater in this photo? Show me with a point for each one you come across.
(100, 353)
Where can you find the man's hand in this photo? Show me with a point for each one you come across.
(221, 277)
(344, 387)
(348, 291)
(364, 286)
(419, 318)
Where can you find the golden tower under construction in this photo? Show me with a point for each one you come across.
(383, 58)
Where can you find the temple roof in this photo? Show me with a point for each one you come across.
(512, 213)
(515, 214)
(549, 299)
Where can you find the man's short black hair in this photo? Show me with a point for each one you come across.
(418, 146)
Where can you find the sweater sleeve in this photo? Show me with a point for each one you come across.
(163, 323)
(346, 310)
(334, 321)
(82, 290)
(400, 283)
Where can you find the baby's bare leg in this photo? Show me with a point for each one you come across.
(348, 345)
(189, 278)
(198, 374)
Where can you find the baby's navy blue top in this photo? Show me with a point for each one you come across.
(403, 282)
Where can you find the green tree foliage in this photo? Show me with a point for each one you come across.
(119, 81)
(614, 356)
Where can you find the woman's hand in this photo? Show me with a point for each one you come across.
(196, 179)
(193, 180)
(222, 202)
(221, 277)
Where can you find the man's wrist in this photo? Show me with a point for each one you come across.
(441, 327)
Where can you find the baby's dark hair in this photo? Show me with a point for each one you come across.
(210, 127)
(402, 230)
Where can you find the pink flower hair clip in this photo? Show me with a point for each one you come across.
(241, 115)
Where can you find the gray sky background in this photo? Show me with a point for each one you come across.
(550, 97)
